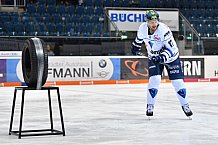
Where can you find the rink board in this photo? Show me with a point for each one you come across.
(75, 70)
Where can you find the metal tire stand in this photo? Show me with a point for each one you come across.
(51, 131)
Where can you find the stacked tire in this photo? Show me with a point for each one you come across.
(35, 63)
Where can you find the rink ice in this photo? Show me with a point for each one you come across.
(115, 115)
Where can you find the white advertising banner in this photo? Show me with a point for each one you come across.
(79, 68)
(10, 53)
(211, 67)
(130, 20)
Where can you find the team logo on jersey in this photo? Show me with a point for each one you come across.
(156, 38)
(150, 43)
(157, 52)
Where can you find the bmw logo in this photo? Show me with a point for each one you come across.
(102, 63)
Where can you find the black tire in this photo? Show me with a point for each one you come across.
(35, 63)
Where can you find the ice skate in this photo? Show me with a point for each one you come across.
(187, 111)
(150, 109)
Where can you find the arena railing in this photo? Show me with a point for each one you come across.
(13, 3)
(191, 37)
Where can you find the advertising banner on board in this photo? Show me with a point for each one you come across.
(106, 68)
(83, 68)
(137, 68)
(211, 67)
(130, 20)
(2, 70)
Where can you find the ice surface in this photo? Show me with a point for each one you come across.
(115, 115)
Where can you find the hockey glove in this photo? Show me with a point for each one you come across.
(157, 59)
(140, 53)
(136, 51)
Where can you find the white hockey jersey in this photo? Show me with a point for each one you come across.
(161, 42)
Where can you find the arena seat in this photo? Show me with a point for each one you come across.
(95, 19)
(41, 9)
(2, 31)
(29, 29)
(85, 19)
(89, 29)
(40, 29)
(31, 8)
(50, 2)
(5, 18)
(124, 3)
(60, 29)
(41, 2)
(81, 29)
(99, 28)
(70, 9)
(99, 11)
(80, 10)
(67, 18)
(25, 17)
(14, 17)
(47, 17)
(116, 3)
(69, 29)
(89, 3)
(98, 3)
(37, 18)
(51, 9)
(19, 29)
(76, 18)
(90, 11)
(56, 18)
(51, 29)
(9, 29)
(107, 3)
(60, 9)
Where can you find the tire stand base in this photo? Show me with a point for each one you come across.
(39, 132)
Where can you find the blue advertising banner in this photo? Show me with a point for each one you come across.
(11, 68)
(116, 73)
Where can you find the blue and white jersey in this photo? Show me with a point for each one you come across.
(161, 42)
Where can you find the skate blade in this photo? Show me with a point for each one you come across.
(149, 117)
(189, 117)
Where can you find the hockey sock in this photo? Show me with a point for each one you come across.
(152, 91)
(180, 91)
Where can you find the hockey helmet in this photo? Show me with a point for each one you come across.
(151, 15)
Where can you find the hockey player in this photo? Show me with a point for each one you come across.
(162, 52)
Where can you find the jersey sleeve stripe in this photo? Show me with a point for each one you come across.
(138, 43)
(166, 53)
(164, 57)
(171, 53)
(139, 39)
